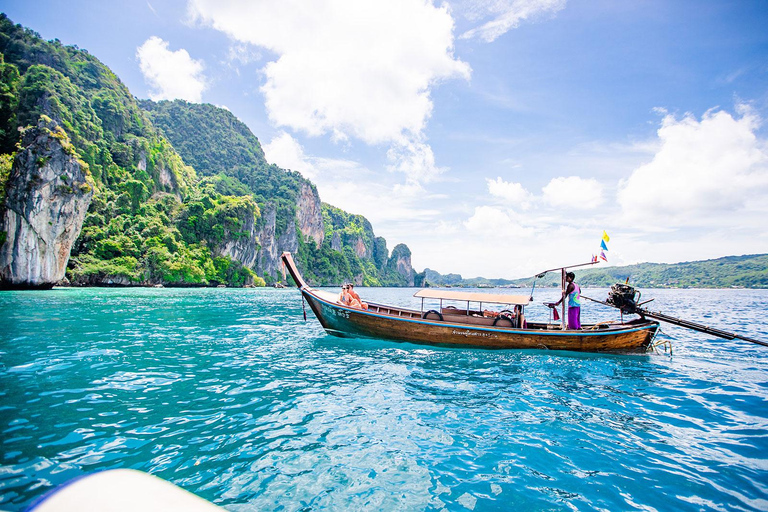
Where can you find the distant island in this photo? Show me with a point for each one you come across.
(748, 271)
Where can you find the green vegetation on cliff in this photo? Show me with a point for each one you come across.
(183, 194)
(350, 252)
(138, 225)
(217, 144)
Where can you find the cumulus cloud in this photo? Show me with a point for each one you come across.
(171, 74)
(504, 15)
(416, 160)
(573, 192)
(286, 152)
(349, 68)
(705, 171)
(497, 222)
(514, 194)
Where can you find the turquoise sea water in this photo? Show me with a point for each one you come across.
(231, 395)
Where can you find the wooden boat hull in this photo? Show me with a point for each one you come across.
(343, 321)
(400, 324)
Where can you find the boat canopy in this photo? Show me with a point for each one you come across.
(492, 298)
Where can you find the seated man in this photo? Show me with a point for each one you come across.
(353, 293)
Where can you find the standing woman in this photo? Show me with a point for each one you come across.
(573, 292)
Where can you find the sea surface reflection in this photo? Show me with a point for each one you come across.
(231, 395)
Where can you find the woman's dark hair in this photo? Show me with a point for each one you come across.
(571, 275)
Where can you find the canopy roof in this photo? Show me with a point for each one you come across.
(492, 298)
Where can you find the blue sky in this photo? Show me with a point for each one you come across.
(494, 137)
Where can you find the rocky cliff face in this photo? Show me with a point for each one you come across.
(49, 191)
(309, 219)
(309, 213)
(360, 248)
(400, 260)
(244, 249)
(272, 245)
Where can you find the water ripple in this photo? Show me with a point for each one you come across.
(230, 394)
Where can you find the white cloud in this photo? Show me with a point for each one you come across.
(487, 219)
(243, 54)
(706, 172)
(505, 15)
(172, 74)
(497, 222)
(349, 68)
(414, 159)
(286, 152)
(512, 193)
(573, 192)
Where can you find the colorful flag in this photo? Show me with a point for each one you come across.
(594, 258)
(606, 238)
(603, 246)
(602, 256)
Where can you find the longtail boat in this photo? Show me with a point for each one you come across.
(470, 327)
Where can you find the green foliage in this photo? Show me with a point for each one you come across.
(226, 185)
(144, 192)
(212, 139)
(216, 218)
(90, 270)
(9, 99)
(151, 220)
(221, 147)
(216, 143)
(349, 226)
(6, 164)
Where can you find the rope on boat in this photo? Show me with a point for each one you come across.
(666, 342)
(303, 309)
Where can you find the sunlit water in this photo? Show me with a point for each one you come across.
(231, 395)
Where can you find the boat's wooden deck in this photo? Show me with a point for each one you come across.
(461, 316)
(476, 318)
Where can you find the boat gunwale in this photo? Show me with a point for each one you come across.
(438, 323)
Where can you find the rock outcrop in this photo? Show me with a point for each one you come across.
(49, 191)
(400, 261)
(273, 244)
(309, 213)
(244, 245)
(308, 220)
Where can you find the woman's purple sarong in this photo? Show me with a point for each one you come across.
(574, 318)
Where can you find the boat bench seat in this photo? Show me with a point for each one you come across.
(464, 319)
(462, 312)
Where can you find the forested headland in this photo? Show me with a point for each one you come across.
(99, 188)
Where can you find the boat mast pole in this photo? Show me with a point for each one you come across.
(563, 307)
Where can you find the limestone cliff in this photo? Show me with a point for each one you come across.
(400, 261)
(271, 244)
(48, 193)
(308, 221)
(309, 213)
(241, 244)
